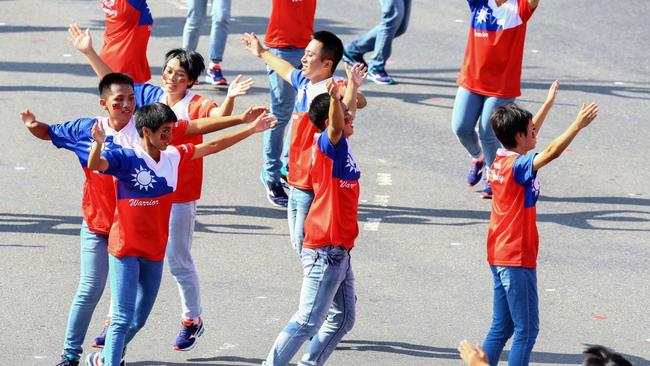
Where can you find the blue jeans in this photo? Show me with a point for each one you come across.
(134, 286)
(471, 108)
(218, 33)
(283, 97)
(297, 210)
(179, 257)
(326, 311)
(394, 21)
(515, 311)
(93, 272)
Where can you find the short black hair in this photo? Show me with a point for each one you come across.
(319, 110)
(603, 356)
(153, 116)
(113, 78)
(332, 48)
(507, 120)
(191, 61)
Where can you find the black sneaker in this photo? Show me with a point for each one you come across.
(275, 193)
(65, 361)
(351, 58)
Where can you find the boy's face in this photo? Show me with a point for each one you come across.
(348, 130)
(314, 67)
(162, 137)
(119, 102)
(529, 141)
(175, 78)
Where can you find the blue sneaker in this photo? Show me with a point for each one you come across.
(95, 359)
(65, 361)
(275, 193)
(101, 338)
(475, 172)
(215, 76)
(190, 332)
(380, 76)
(486, 194)
(351, 58)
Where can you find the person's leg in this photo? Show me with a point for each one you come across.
(502, 325)
(124, 291)
(489, 141)
(405, 20)
(148, 286)
(340, 318)
(219, 30)
(393, 12)
(92, 280)
(179, 257)
(522, 300)
(300, 203)
(192, 29)
(283, 98)
(322, 277)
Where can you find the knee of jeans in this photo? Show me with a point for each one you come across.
(136, 325)
(528, 332)
(181, 268)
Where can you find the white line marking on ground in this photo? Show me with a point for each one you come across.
(619, 83)
(261, 297)
(382, 200)
(177, 4)
(384, 179)
(20, 168)
(458, 21)
(456, 244)
(633, 194)
(534, 51)
(383, 161)
(67, 55)
(372, 224)
(550, 290)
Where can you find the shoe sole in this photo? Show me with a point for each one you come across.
(382, 82)
(193, 346)
(97, 346)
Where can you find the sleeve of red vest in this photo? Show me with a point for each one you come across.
(179, 130)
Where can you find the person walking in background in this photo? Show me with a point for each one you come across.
(196, 10)
(394, 21)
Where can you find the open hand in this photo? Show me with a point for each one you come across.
(252, 113)
(252, 44)
(473, 356)
(264, 122)
(81, 40)
(239, 87)
(552, 92)
(333, 89)
(587, 113)
(356, 73)
(28, 118)
(98, 133)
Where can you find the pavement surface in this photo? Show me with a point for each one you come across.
(422, 280)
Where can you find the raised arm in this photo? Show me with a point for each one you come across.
(83, 42)
(237, 88)
(356, 75)
(282, 67)
(36, 128)
(95, 160)
(202, 126)
(261, 123)
(554, 150)
(335, 114)
(540, 116)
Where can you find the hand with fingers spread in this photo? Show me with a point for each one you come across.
(252, 113)
(333, 89)
(98, 133)
(473, 356)
(239, 87)
(28, 118)
(264, 122)
(587, 113)
(252, 44)
(81, 40)
(356, 73)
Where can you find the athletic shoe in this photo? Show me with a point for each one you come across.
(351, 58)
(101, 338)
(380, 76)
(65, 361)
(275, 193)
(95, 359)
(187, 338)
(475, 172)
(486, 194)
(215, 76)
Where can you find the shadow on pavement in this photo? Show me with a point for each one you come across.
(209, 361)
(39, 224)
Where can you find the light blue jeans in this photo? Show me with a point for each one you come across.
(196, 10)
(297, 210)
(326, 311)
(179, 257)
(469, 109)
(283, 97)
(134, 286)
(515, 311)
(93, 271)
(394, 21)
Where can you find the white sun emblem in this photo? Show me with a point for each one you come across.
(351, 164)
(143, 179)
(481, 16)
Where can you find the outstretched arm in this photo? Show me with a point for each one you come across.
(282, 67)
(202, 126)
(540, 116)
(356, 75)
(95, 160)
(554, 150)
(38, 129)
(83, 42)
(237, 88)
(261, 123)
(335, 115)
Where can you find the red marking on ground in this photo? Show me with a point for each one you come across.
(432, 100)
(599, 317)
(390, 62)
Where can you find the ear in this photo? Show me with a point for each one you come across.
(102, 103)
(328, 64)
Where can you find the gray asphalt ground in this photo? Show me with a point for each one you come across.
(422, 280)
